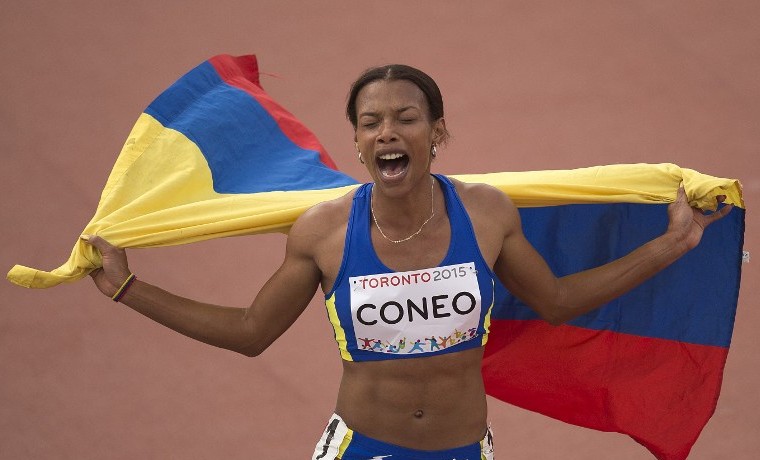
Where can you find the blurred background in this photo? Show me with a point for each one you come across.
(528, 85)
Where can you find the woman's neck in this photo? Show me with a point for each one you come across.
(402, 218)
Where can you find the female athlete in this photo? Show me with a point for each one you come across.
(407, 264)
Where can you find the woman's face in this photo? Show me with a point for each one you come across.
(394, 133)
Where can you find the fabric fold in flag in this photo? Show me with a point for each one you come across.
(215, 156)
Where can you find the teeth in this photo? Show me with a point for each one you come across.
(391, 156)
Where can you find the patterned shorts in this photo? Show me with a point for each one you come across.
(339, 442)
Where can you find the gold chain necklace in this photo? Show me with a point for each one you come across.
(432, 213)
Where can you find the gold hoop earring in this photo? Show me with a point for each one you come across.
(358, 152)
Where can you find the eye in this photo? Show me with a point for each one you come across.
(408, 120)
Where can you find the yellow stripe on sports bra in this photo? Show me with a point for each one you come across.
(340, 334)
(487, 319)
(346, 442)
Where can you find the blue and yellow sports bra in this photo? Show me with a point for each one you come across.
(380, 314)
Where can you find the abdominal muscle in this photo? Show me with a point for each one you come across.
(430, 403)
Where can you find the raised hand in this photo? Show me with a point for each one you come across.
(690, 223)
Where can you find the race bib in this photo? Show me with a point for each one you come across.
(420, 311)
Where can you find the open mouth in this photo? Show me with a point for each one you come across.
(392, 164)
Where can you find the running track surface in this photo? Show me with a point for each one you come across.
(527, 85)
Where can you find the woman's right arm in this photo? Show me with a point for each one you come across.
(245, 330)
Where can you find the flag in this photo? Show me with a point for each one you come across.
(215, 156)
(211, 156)
(648, 364)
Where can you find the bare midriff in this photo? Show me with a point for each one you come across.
(429, 403)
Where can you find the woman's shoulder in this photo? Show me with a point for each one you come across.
(336, 209)
(485, 202)
(323, 219)
(480, 195)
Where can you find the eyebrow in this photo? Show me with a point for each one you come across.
(374, 114)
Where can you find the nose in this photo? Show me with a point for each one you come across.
(387, 132)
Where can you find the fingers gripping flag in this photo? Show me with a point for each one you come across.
(215, 156)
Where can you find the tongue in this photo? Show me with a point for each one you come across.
(392, 168)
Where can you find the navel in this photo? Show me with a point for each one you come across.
(418, 413)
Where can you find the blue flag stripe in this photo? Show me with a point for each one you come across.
(246, 150)
(693, 301)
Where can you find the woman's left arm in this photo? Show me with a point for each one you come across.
(524, 272)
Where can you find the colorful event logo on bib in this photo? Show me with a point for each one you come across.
(420, 311)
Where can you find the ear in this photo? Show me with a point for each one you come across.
(439, 131)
